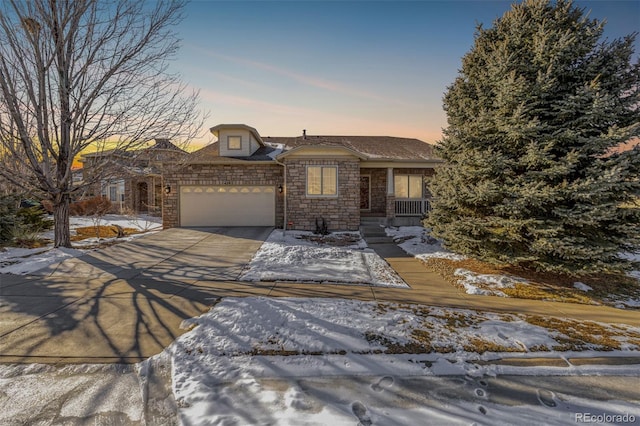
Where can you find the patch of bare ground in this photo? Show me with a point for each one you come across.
(564, 335)
(608, 288)
(586, 335)
(338, 240)
(102, 231)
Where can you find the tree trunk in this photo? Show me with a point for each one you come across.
(62, 232)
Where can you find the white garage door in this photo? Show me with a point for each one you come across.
(227, 206)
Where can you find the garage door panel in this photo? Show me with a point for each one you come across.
(227, 206)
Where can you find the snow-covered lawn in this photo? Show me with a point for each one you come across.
(254, 361)
(337, 258)
(15, 260)
(416, 241)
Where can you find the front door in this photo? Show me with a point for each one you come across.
(143, 197)
(365, 192)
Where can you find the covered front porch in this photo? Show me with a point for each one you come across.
(397, 194)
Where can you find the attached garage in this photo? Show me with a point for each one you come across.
(227, 205)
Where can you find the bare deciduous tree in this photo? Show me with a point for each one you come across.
(85, 74)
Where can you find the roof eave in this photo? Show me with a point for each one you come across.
(236, 161)
(290, 152)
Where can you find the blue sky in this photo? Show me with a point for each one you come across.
(341, 67)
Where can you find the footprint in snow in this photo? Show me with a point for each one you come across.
(382, 384)
(360, 411)
(546, 398)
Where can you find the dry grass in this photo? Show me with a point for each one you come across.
(607, 288)
(337, 240)
(578, 336)
(109, 231)
(479, 345)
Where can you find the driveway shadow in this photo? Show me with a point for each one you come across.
(123, 303)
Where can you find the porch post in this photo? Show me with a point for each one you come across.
(391, 198)
(390, 183)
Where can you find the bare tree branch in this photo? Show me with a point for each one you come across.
(81, 75)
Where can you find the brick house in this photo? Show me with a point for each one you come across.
(244, 179)
(131, 180)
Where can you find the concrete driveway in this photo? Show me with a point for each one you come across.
(126, 302)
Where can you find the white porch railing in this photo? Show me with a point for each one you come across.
(412, 206)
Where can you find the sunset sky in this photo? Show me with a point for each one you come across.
(340, 67)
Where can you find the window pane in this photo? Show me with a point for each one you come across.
(415, 186)
(401, 184)
(113, 193)
(314, 180)
(235, 142)
(329, 181)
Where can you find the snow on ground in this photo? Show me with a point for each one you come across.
(477, 283)
(279, 361)
(416, 241)
(582, 286)
(636, 258)
(35, 394)
(14, 260)
(21, 261)
(276, 361)
(293, 256)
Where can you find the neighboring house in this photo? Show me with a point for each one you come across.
(244, 179)
(131, 180)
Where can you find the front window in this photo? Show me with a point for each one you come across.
(322, 180)
(234, 142)
(408, 186)
(113, 190)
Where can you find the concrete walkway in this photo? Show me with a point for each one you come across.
(125, 303)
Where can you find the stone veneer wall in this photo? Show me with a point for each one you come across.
(217, 174)
(342, 213)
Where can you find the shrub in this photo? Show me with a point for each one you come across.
(18, 223)
(94, 206)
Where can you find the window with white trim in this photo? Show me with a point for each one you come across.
(113, 190)
(322, 181)
(408, 186)
(234, 142)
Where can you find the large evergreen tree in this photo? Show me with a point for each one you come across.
(530, 179)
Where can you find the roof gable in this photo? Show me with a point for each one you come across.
(216, 130)
(211, 153)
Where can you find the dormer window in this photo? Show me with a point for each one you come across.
(234, 142)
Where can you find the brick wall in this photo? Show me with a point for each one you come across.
(342, 213)
(215, 174)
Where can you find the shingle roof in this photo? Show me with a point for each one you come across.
(212, 152)
(165, 144)
(374, 147)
